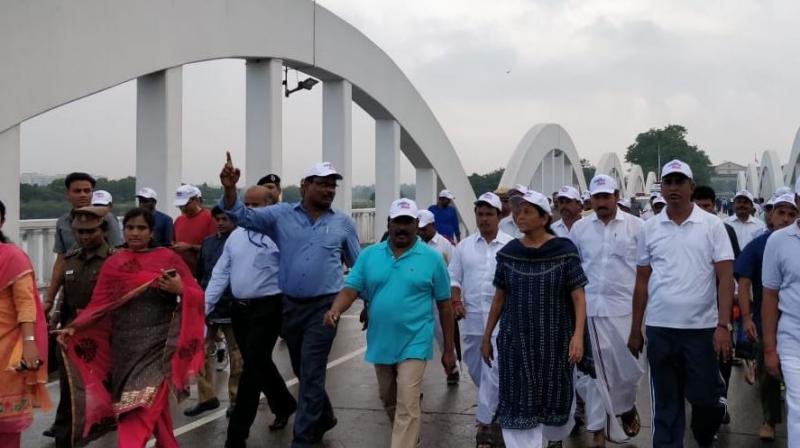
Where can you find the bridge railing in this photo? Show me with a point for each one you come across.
(38, 235)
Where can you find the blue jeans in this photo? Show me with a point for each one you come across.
(309, 343)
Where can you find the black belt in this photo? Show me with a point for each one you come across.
(310, 299)
(248, 302)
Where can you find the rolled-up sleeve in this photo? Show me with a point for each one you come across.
(642, 251)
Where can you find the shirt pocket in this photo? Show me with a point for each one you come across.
(624, 249)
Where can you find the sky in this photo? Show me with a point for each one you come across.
(605, 70)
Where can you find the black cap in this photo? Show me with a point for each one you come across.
(270, 179)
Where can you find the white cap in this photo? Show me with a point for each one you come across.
(676, 166)
(425, 217)
(184, 193)
(101, 197)
(782, 190)
(602, 184)
(569, 192)
(784, 198)
(491, 199)
(403, 207)
(518, 187)
(585, 196)
(323, 169)
(446, 194)
(535, 198)
(147, 193)
(659, 200)
(625, 202)
(744, 194)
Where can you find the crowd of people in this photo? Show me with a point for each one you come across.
(553, 306)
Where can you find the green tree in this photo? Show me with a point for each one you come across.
(671, 141)
(588, 170)
(481, 183)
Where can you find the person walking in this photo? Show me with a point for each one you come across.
(313, 240)
(780, 315)
(446, 216)
(747, 270)
(507, 224)
(249, 265)
(119, 374)
(83, 265)
(681, 256)
(471, 280)
(606, 241)
(23, 343)
(540, 306)
(192, 226)
(163, 231)
(570, 206)
(218, 323)
(399, 279)
(743, 220)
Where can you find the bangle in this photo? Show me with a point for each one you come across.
(29, 338)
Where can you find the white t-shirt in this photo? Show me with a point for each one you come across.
(472, 269)
(560, 228)
(683, 286)
(781, 272)
(443, 246)
(608, 253)
(509, 227)
(745, 231)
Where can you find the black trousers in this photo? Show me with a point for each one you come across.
(62, 426)
(256, 326)
(683, 365)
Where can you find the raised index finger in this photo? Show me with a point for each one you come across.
(228, 158)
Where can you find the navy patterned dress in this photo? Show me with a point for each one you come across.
(536, 325)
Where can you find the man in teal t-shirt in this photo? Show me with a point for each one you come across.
(399, 279)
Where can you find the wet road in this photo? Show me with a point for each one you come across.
(448, 412)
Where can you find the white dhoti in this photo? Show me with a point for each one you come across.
(586, 388)
(486, 379)
(618, 371)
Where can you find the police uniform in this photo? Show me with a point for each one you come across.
(82, 268)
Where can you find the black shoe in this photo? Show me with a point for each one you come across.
(199, 408)
(282, 420)
(453, 378)
(49, 432)
(235, 443)
(323, 428)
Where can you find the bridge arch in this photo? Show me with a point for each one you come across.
(545, 159)
(68, 54)
(610, 165)
(770, 174)
(634, 182)
(751, 181)
(791, 171)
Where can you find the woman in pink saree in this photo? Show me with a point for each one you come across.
(23, 343)
(140, 337)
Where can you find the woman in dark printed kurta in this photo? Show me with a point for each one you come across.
(539, 282)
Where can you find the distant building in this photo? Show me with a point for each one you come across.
(723, 181)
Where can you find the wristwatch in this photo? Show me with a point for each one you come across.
(29, 338)
(727, 326)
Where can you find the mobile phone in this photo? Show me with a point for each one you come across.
(171, 272)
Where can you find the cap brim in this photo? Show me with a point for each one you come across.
(479, 202)
(398, 215)
(336, 176)
(181, 202)
(603, 191)
(422, 225)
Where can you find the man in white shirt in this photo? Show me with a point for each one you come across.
(743, 221)
(607, 243)
(427, 231)
(781, 317)
(681, 255)
(507, 224)
(472, 272)
(570, 206)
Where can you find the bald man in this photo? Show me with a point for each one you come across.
(249, 264)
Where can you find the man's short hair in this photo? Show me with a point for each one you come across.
(74, 177)
(217, 210)
(704, 192)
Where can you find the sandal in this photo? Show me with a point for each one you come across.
(630, 422)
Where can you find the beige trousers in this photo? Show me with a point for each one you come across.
(205, 382)
(399, 387)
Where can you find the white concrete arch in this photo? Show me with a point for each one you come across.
(611, 165)
(751, 182)
(770, 174)
(56, 55)
(545, 160)
(650, 182)
(634, 182)
(791, 171)
(741, 181)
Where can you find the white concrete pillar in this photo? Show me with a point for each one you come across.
(159, 134)
(387, 170)
(264, 119)
(9, 180)
(426, 187)
(337, 137)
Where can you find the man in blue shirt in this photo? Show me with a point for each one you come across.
(399, 279)
(219, 321)
(162, 232)
(313, 240)
(446, 217)
(249, 265)
(747, 270)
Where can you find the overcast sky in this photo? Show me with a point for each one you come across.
(605, 70)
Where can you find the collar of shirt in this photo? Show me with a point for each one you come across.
(750, 219)
(500, 238)
(101, 251)
(412, 250)
(696, 216)
(619, 216)
(298, 206)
